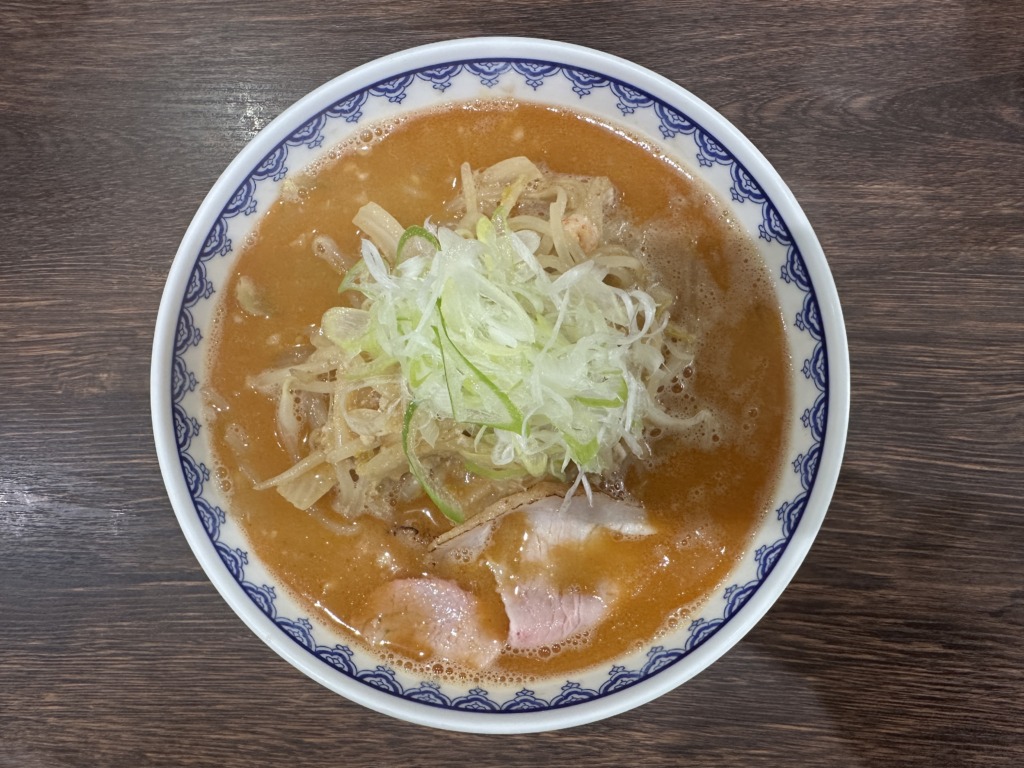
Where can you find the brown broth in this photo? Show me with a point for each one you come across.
(705, 499)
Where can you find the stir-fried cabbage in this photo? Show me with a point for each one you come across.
(516, 345)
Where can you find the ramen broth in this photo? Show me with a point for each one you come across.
(704, 496)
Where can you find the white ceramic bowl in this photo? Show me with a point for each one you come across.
(585, 80)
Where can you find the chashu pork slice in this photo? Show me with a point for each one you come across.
(552, 526)
(542, 612)
(430, 618)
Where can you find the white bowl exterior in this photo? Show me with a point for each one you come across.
(804, 346)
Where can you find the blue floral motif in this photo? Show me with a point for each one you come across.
(234, 559)
(217, 242)
(584, 82)
(702, 630)
(809, 319)
(243, 201)
(573, 693)
(382, 678)
(440, 77)
(806, 465)
(301, 631)
(736, 596)
(489, 72)
(773, 228)
(630, 99)
(673, 122)
(349, 109)
(263, 597)
(814, 368)
(524, 701)
(789, 514)
(183, 380)
(814, 418)
(429, 693)
(767, 557)
(187, 335)
(273, 166)
(619, 677)
(339, 657)
(795, 271)
(212, 518)
(536, 74)
(185, 427)
(198, 286)
(744, 187)
(194, 474)
(477, 700)
(309, 134)
(659, 658)
(711, 152)
(393, 90)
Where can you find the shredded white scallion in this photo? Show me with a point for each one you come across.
(511, 351)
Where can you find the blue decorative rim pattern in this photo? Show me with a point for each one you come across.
(490, 73)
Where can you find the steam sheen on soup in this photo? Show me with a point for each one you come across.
(505, 573)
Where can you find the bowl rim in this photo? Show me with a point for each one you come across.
(500, 48)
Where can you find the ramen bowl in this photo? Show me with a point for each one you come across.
(587, 81)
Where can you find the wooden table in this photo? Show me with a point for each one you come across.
(899, 126)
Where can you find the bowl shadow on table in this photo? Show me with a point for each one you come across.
(894, 640)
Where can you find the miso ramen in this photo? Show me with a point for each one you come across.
(499, 392)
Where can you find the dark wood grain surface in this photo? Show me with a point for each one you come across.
(900, 128)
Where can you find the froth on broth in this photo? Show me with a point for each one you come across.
(703, 497)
